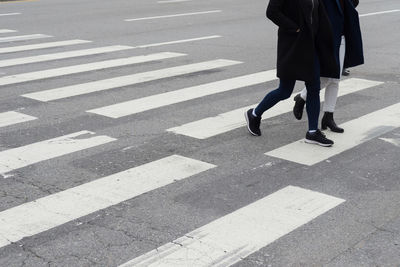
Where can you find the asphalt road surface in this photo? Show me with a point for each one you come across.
(123, 140)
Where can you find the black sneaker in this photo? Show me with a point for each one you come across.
(318, 138)
(253, 123)
(345, 72)
(298, 106)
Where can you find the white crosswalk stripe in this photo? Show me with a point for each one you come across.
(54, 210)
(231, 120)
(222, 242)
(20, 157)
(6, 31)
(86, 88)
(62, 55)
(9, 14)
(21, 48)
(52, 73)
(13, 117)
(358, 131)
(22, 38)
(235, 236)
(160, 100)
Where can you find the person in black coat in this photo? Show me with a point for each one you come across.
(305, 52)
(347, 42)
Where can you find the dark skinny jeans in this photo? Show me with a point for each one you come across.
(285, 90)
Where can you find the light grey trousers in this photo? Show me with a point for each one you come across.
(331, 84)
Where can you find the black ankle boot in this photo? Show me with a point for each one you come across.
(298, 107)
(328, 122)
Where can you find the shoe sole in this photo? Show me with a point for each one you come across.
(318, 143)
(248, 124)
(326, 128)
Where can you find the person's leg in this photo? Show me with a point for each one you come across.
(313, 104)
(331, 95)
(253, 116)
(314, 135)
(332, 87)
(284, 91)
(300, 99)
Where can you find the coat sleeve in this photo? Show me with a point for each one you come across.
(274, 13)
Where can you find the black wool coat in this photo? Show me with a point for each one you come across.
(296, 50)
(346, 22)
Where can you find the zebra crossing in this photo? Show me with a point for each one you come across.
(222, 242)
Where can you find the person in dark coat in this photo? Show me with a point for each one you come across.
(346, 72)
(348, 46)
(305, 52)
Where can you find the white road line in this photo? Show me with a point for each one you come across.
(13, 117)
(176, 15)
(20, 157)
(41, 46)
(232, 238)
(62, 55)
(74, 42)
(6, 31)
(357, 132)
(179, 41)
(393, 141)
(160, 100)
(9, 14)
(101, 85)
(23, 38)
(212, 126)
(54, 210)
(52, 73)
(172, 1)
(379, 13)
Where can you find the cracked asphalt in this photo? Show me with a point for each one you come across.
(363, 231)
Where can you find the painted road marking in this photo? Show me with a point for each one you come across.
(62, 55)
(97, 86)
(233, 237)
(22, 38)
(169, 98)
(13, 117)
(40, 46)
(212, 126)
(6, 31)
(9, 14)
(20, 157)
(380, 13)
(176, 15)
(51, 73)
(358, 131)
(54, 210)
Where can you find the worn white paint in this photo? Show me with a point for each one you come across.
(212, 126)
(21, 48)
(58, 72)
(176, 15)
(54, 210)
(180, 41)
(357, 131)
(102, 85)
(62, 55)
(169, 98)
(20, 157)
(9, 14)
(13, 117)
(6, 31)
(380, 13)
(22, 38)
(233, 237)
